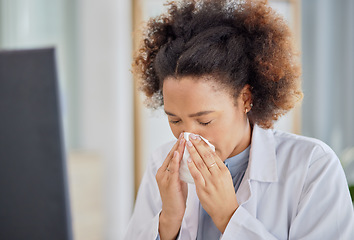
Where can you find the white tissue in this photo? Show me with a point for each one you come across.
(184, 173)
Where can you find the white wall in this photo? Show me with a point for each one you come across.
(95, 38)
(106, 100)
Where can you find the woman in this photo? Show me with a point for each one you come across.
(226, 71)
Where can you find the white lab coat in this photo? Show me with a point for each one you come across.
(294, 188)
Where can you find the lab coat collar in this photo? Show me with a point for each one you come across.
(262, 161)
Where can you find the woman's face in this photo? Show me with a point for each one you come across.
(203, 107)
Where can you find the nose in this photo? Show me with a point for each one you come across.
(191, 128)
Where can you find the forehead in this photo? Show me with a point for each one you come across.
(203, 83)
(190, 85)
(195, 94)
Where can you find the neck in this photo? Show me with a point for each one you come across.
(245, 141)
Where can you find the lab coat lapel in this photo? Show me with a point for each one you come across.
(262, 168)
(192, 211)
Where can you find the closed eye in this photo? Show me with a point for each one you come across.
(205, 123)
(175, 122)
(201, 123)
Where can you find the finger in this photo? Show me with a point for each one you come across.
(174, 163)
(181, 147)
(170, 154)
(206, 153)
(221, 165)
(197, 176)
(198, 161)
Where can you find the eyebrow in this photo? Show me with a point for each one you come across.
(198, 114)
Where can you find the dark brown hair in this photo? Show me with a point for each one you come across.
(240, 42)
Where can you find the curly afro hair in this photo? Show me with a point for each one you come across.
(239, 42)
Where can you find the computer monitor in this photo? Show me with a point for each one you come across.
(34, 202)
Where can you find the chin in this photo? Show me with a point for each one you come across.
(220, 155)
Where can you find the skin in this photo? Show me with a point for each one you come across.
(202, 106)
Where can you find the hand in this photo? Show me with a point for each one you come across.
(213, 182)
(173, 192)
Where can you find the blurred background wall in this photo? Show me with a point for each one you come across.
(93, 41)
(108, 132)
(328, 76)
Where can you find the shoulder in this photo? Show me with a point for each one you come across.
(302, 148)
(304, 161)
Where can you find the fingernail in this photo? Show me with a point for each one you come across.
(189, 160)
(181, 141)
(197, 138)
(192, 136)
(189, 143)
(180, 135)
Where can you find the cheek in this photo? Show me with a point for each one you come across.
(218, 136)
(226, 136)
(175, 130)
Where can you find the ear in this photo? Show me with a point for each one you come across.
(246, 97)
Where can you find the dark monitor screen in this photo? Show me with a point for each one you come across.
(33, 187)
